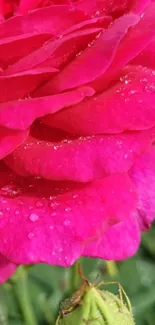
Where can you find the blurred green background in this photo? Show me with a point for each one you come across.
(37, 292)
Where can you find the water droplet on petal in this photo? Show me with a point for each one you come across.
(150, 88)
(39, 204)
(60, 250)
(33, 217)
(75, 196)
(67, 222)
(30, 235)
(68, 209)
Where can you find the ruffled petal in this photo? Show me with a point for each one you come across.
(146, 57)
(20, 114)
(114, 7)
(138, 6)
(14, 48)
(10, 140)
(98, 55)
(26, 5)
(118, 242)
(55, 53)
(128, 105)
(57, 219)
(137, 38)
(53, 20)
(21, 84)
(79, 159)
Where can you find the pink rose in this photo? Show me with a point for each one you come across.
(77, 124)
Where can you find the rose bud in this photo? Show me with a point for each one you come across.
(88, 305)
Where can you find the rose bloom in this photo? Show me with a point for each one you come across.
(77, 124)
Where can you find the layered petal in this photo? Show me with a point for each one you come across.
(118, 242)
(127, 105)
(57, 219)
(21, 84)
(133, 43)
(10, 140)
(55, 53)
(51, 20)
(20, 114)
(122, 240)
(114, 7)
(98, 55)
(14, 48)
(78, 158)
(146, 57)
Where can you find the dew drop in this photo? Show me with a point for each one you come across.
(51, 227)
(68, 209)
(4, 201)
(60, 250)
(133, 91)
(53, 214)
(67, 222)
(150, 88)
(10, 191)
(75, 196)
(30, 235)
(39, 204)
(33, 217)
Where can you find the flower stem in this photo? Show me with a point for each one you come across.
(21, 289)
(112, 269)
(74, 276)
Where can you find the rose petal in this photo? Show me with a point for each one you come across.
(102, 7)
(103, 21)
(128, 105)
(54, 53)
(22, 84)
(21, 114)
(7, 7)
(118, 242)
(10, 140)
(138, 6)
(51, 20)
(98, 55)
(146, 57)
(133, 43)
(26, 5)
(6, 268)
(57, 219)
(143, 176)
(14, 48)
(114, 8)
(79, 159)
